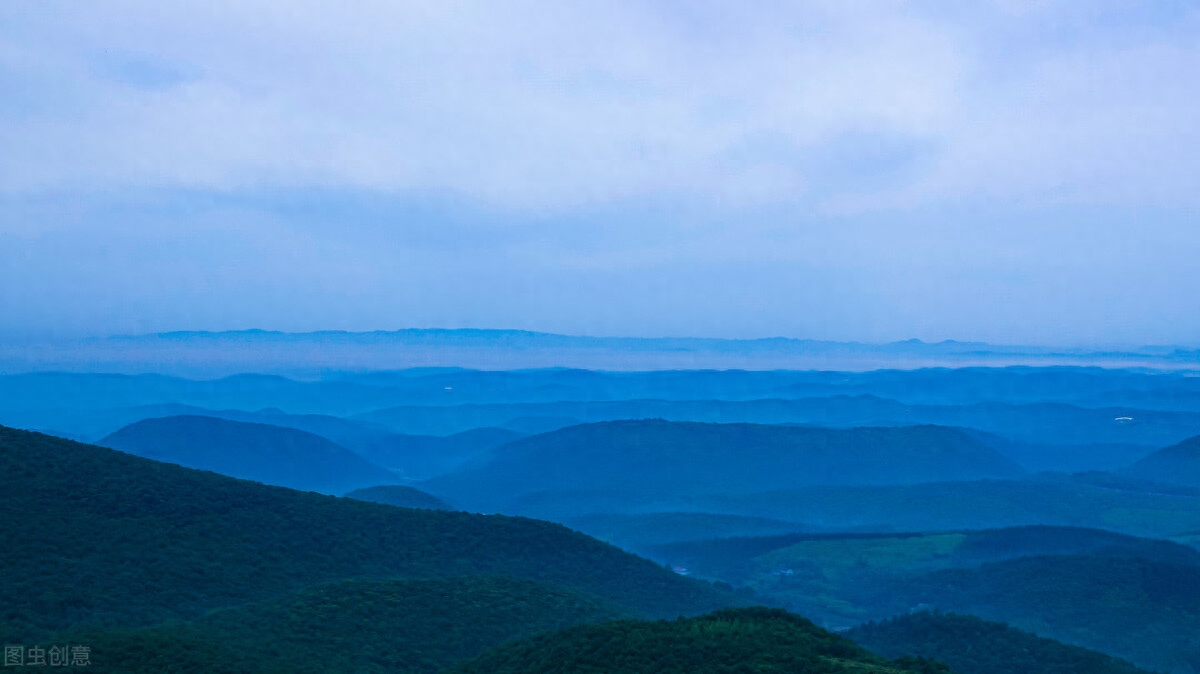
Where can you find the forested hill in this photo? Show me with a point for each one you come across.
(683, 458)
(110, 538)
(971, 645)
(736, 640)
(359, 626)
(284, 457)
(1177, 464)
(399, 495)
(1144, 610)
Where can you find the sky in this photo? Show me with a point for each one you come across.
(1007, 171)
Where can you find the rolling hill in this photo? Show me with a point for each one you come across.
(1041, 406)
(1041, 423)
(419, 457)
(1143, 610)
(110, 539)
(1177, 464)
(970, 645)
(400, 496)
(1122, 505)
(284, 457)
(349, 434)
(681, 459)
(734, 640)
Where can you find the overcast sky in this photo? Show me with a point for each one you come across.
(1009, 171)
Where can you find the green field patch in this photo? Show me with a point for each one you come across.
(836, 557)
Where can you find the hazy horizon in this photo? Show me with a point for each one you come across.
(309, 354)
(56, 336)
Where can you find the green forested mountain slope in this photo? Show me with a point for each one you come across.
(1143, 610)
(736, 640)
(400, 496)
(1130, 597)
(362, 626)
(95, 536)
(970, 645)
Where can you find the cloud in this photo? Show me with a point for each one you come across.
(529, 105)
(552, 105)
(1009, 170)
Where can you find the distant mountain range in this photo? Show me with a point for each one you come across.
(1065, 419)
(681, 459)
(1142, 509)
(216, 353)
(641, 480)
(1041, 423)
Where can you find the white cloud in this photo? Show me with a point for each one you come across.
(548, 105)
(525, 104)
(1011, 170)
